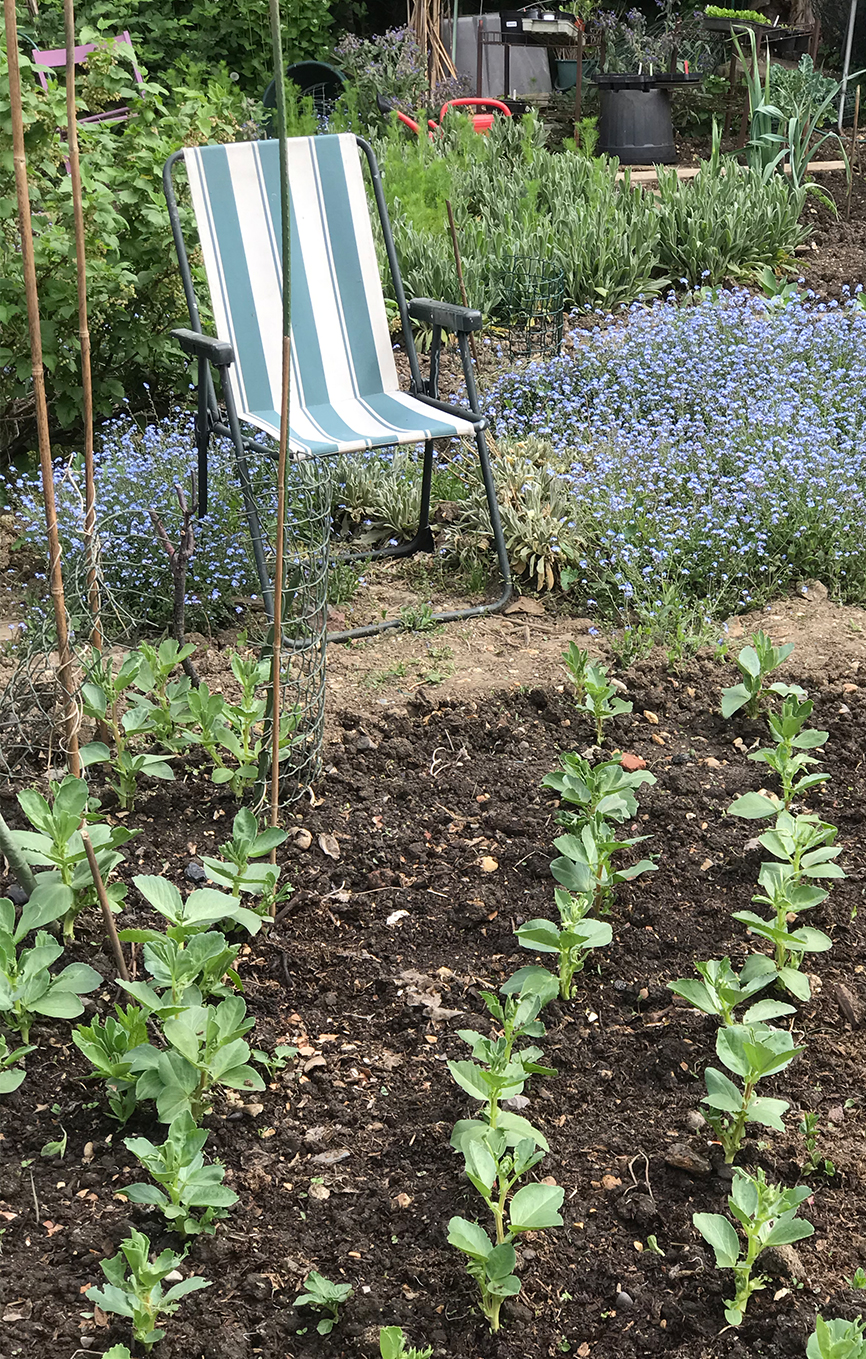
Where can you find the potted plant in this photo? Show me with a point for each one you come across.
(639, 69)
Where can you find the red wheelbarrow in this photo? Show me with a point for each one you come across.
(482, 122)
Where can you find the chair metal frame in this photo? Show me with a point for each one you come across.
(214, 353)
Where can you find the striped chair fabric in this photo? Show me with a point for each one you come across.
(345, 393)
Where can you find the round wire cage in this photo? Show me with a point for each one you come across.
(135, 589)
(533, 301)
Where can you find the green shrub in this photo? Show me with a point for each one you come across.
(233, 37)
(134, 289)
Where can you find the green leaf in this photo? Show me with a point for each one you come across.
(721, 1093)
(540, 935)
(734, 698)
(767, 1112)
(718, 1232)
(754, 806)
(469, 1077)
(470, 1238)
(535, 1207)
(787, 1230)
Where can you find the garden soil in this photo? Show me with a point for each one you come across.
(429, 840)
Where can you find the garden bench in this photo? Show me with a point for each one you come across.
(345, 392)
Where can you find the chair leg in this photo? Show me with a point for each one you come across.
(254, 523)
(449, 615)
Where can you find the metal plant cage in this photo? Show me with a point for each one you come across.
(533, 301)
(31, 700)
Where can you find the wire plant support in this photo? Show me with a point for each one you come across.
(532, 308)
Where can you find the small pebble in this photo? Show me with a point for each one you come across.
(301, 838)
(17, 895)
(194, 873)
(624, 1300)
(695, 1121)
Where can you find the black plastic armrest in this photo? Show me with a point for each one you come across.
(219, 352)
(445, 314)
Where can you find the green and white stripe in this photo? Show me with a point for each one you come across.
(345, 394)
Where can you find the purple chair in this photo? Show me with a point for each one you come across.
(56, 56)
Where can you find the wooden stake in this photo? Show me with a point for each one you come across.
(83, 329)
(282, 457)
(107, 913)
(70, 710)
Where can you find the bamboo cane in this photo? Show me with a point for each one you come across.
(28, 260)
(276, 652)
(83, 328)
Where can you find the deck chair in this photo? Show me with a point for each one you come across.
(345, 393)
(53, 57)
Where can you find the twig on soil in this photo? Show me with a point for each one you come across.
(35, 1199)
(178, 559)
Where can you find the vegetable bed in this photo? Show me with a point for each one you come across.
(343, 1163)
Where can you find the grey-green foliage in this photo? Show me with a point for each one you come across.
(186, 918)
(393, 1345)
(108, 1044)
(325, 1296)
(237, 869)
(572, 940)
(27, 986)
(134, 1288)
(755, 663)
(726, 222)
(585, 865)
(800, 90)
(767, 1214)
(788, 758)
(750, 1051)
(601, 701)
(804, 850)
(512, 197)
(604, 789)
(183, 1181)
(836, 1339)
(500, 1068)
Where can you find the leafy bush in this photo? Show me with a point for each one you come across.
(134, 290)
(726, 223)
(232, 37)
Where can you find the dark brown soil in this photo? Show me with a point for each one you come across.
(347, 1168)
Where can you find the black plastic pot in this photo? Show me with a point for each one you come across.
(635, 117)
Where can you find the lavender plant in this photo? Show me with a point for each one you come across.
(767, 1214)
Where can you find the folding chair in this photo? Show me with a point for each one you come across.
(49, 58)
(345, 393)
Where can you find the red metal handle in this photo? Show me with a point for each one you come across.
(485, 103)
